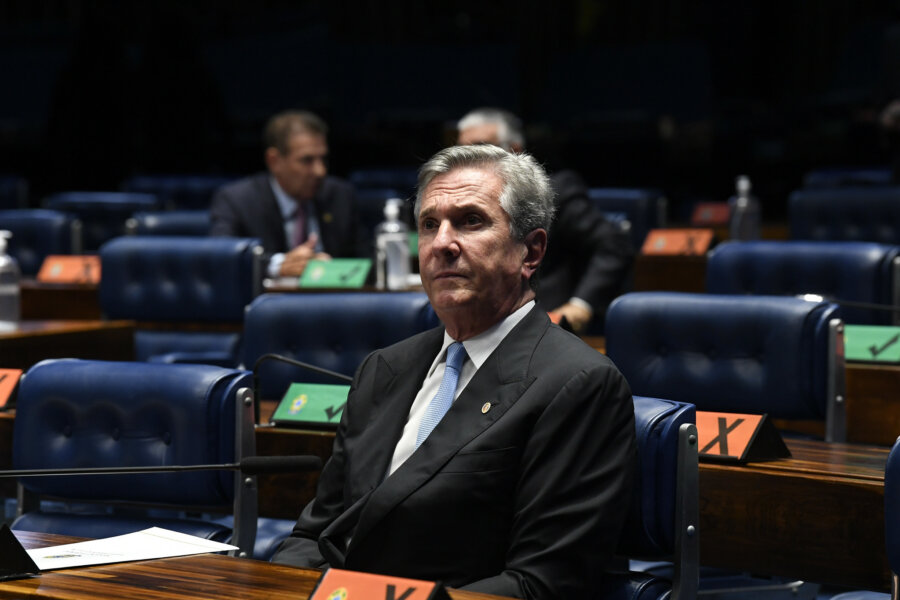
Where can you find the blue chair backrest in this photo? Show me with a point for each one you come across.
(868, 214)
(745, 354)
(644, 209)
(335, 331)
(170, 222)
(151, 278)
(103, 214)
(196, 280)
(82, 413)
(663, 516)
(863, 272)
(187, 192)
(38, 233)
(832, 177)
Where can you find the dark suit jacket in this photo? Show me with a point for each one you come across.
(588, 256)
(248, 208)
(525, 499)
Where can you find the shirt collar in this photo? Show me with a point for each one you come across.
(286, 204)
(480, 347)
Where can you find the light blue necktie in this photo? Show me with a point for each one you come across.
(440, 404)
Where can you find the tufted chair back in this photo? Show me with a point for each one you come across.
(662, 520)
(869, 214)
(38, 233)
(331, 330)
(169, 222)
(80, 413)
(745, 354)
(200, 282)
(856, 272)
(178, 192)
(102, 214)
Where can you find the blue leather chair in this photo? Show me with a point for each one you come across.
(188, 294)
(335, 331)
(833, 177)
(38, 233)
(102, 214)
(855, 272)
(746, 354)
(641, 209)
(891, 530)
(178, 192)
(169, 222)
(82, 413)
(868, 214)
(662, 522)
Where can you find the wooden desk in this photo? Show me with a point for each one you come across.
(59, 300)
(873, 403)
(33, 341)
(675, 273)
(816, 516)
(203, 576)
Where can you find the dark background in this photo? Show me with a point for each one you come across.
(680, 95)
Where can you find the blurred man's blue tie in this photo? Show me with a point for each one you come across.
(440, 404)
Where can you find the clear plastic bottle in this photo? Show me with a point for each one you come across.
(9, 283)
(744, 218)
(392, 249)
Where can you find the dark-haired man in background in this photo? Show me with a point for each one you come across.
(296, 209)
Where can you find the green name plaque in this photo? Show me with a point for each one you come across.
(872, 343)
(311, 405)
(336, 273)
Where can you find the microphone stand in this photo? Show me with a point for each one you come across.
(297, 363)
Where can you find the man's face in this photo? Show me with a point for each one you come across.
(486, 133)
(302, 168)
(471, 266)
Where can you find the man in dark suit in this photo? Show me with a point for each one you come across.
(589, 259)
(296, 210)
(521, 487)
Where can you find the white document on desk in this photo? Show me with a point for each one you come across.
(140, 545)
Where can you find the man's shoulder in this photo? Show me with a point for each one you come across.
(560, 347)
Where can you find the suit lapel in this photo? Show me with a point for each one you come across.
(500, 381)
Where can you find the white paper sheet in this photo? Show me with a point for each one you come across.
(140, 545)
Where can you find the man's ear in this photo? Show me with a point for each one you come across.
(535, 247)
(271, 156)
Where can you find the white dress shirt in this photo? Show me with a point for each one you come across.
(478, 349)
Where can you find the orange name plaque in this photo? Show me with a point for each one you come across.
(59, 268)
(677, 241)
(735, 437)
(9, 378)
(338, 584)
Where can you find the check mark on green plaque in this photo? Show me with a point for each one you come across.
(868, 343)
(875, 350)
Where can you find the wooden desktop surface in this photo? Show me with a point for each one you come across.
(203, 576)
(32, 341)
(817, 515)
(41, 300)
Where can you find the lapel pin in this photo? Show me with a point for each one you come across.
(485, 407)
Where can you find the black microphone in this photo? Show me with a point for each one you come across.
(251, 465)
(297, 363)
